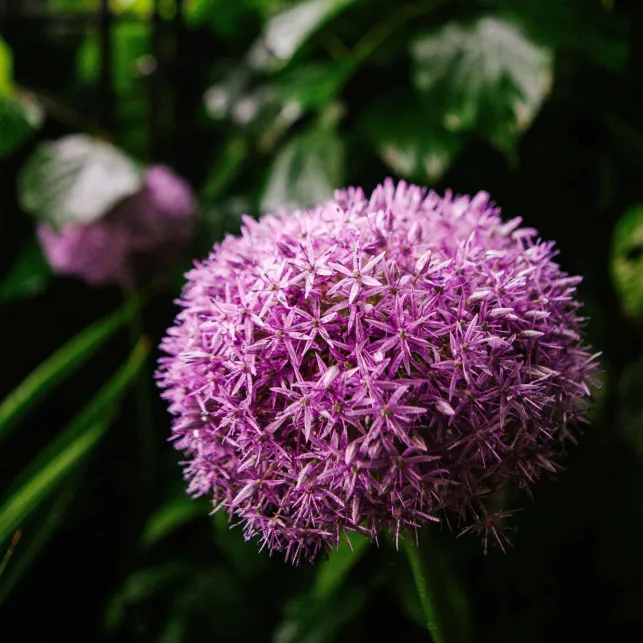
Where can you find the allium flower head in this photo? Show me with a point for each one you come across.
(135, 241)
(373, 364)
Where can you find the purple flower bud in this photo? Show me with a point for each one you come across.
(135, 241)
(372, 365)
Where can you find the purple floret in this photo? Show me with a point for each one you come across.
(133, 243)
(373, 365)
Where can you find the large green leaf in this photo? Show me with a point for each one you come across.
(69, 448)
(29, 275)
(76, 180)
(486, 77)
(312, 85)
(578, 26)
(286, 32)
(306, 170)
(58, 366)
(20, 115)
(417, 147)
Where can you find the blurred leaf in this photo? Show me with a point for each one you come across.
(306, 171)
(174, 631)
(33, 543)
(225, 18)
(225, 170)
(69, 448)
(321, 622)
(627, 261)
(6, 70)
(244, 556)
(417, 146)
(169, 517)
(76, 180)
(57, 367)
(286, 32)
(147, 582)
(141, 8)
(29, 276)
(317, 616)
(142, 585)
(486, 77)
(332, 573)
(311, 85)
(577, 26)
(20, 115)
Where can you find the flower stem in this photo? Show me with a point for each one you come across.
(427, 601)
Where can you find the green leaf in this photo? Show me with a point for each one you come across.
(225, 170)
(32, 545)
(317, 616)
(141, 585)
(417, 147)
(487, 77)
(69, 448)
(286, 32)
(29, 275)
(169, 517)
(6, 70)
(20, 115)
(627, 261)
(575, 26)
(243, 556)
(321, 622)
(76, 180)
(225, 18)
(306, 171)
(332, 573)
(57, 367)
(311, 85)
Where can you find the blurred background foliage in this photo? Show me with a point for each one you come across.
(264, 103)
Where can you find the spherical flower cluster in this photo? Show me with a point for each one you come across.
(373, 364)
(133, 242)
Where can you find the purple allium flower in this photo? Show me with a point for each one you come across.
(133, 242)
(373, 364)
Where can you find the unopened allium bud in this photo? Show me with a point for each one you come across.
(135, 241)
(373, 365)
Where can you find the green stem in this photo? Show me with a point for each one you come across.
(427, 601)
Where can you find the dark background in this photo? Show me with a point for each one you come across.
(575, 568)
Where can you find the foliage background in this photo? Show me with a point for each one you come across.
(264, 102)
